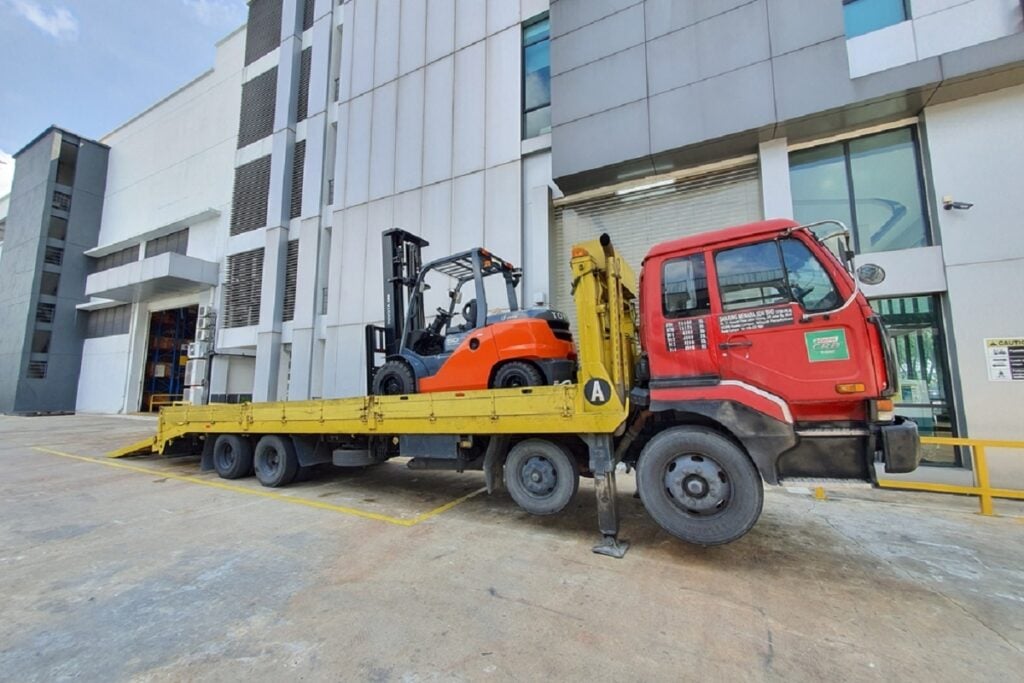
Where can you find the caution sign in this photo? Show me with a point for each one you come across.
(597, 391)
(1004, 358)
(826, 345)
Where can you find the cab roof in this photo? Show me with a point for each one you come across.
(704, 239)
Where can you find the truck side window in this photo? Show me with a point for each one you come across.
(685, 287)
(810, 284)
(751, 276)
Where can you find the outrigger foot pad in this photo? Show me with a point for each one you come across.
(612, 547)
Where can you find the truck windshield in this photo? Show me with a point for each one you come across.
(771, 273)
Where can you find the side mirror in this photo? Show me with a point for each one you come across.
(871, 274)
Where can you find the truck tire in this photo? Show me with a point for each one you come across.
(275, 461)
(394, 378)
(232, 456)
(699, 486)
(517, 373)
(541, 476)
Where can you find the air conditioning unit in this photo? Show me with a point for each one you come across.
(195, 395)
(198, 349)
(204, 335)
(195, 372)
(206, 311)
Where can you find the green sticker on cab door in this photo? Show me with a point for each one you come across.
(826, 345)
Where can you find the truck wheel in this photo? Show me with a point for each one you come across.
(394, 378)
(542, 477)
(517, 373)
(232, 456)
(699, 486)
(275, 461)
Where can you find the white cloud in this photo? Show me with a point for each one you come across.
(59, 22)
(228, 13)
(6, 172)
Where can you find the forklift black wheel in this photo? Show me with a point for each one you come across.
(232, 457)
(699, 486)
(541, 476)
(394, 378)
(517, 373)
(275, 461)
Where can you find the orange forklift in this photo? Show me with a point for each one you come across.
(462, 349)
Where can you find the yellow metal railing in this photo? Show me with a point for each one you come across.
(982, 487)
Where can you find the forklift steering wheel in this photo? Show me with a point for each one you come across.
(440, 321)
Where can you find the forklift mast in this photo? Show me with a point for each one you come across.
(402, 264)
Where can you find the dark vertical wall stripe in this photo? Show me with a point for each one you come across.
(263, 30)
(297, 173)
(249, 203)
(256, 120)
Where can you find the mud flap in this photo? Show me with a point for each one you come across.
(494, 462)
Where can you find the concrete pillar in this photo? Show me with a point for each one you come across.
(776, 195)
(268, 332)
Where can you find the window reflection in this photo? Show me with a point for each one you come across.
(872, 184)
(536, 78)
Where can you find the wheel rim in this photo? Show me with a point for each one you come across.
(226, 456)
(538, 476)
(515, 380)
(271, 462)
(392, 386)
(697, 484)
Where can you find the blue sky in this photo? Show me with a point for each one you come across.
(90, 65)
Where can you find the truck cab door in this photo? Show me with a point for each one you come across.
(762, 297)
(676, 309)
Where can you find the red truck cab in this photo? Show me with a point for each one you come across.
(760, 331)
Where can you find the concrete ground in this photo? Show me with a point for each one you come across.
(157, 572)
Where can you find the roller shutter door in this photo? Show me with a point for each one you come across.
(636, 221)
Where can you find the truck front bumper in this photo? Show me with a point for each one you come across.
(899, 446)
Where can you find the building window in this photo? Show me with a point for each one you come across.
(45, 312)
(872, 184)
(536, 78)
(686, 287)
(58, 228)
(61, 201)
(865, 16)
(48, 283)
(54, 256)
(914, 324)
(176, 243)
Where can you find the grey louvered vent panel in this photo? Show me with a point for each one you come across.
(636, 221)
(305, 63)
(263, 30)
(117, 258)
(307, 15)
(37, 369)
(242, 289)
(249, 203)
(256, 120)
(107, 322)
(290, 271)
(297, 173)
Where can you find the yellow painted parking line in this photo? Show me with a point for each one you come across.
(355, 512)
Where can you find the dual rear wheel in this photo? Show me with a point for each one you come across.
(273, 461)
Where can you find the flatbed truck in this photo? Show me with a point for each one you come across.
(742, 356)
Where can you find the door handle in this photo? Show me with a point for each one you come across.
(746, 344)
